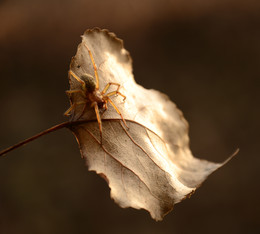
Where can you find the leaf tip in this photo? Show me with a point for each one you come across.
(231, 156)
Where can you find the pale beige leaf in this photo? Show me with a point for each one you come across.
(149, 165)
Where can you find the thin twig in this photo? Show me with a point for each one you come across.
(21, 143)
(68, 124)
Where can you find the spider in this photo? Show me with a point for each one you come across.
(92, 95)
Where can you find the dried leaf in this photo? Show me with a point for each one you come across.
(148, 165)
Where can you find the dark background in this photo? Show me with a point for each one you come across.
(203, 54)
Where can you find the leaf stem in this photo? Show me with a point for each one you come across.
(21, 143)
(68, 124)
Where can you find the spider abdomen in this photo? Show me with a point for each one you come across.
(90, 83)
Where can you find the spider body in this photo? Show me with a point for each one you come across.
(89, 82)
(97, 97)
(91, 94)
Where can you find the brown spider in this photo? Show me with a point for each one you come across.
(91, 94)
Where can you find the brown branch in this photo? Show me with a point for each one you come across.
(67, 124)
(21, 143)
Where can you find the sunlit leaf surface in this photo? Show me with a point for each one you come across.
(148, 163)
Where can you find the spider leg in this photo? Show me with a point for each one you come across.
(108, 85)
(98, 119)
(68, 112)
(77, 78)
(69, 92)
(94, 66)
(117, 110)
(105, 108)
(116, 93)
(75, 91)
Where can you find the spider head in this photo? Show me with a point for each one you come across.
(90, 83)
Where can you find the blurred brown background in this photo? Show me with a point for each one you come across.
(204, 54)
